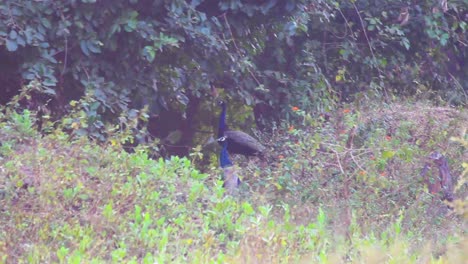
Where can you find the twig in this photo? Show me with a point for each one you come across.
(365, 33)
(369, 44)
(65, 56)
(346, 25)
(65, 59)
(357, 163)
(459, 85)
(175, 146)
(12, 20)
(339, 162)
(237, 48)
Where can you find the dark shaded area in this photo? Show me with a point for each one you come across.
(162, 125)
(10, 75)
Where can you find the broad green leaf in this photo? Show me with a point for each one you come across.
(93, 46)
(84, 47)
(13, 34)
(387, 154)
(29, 76)
(11, 45)
(20, 41)
(443, 39)
(46, 23)
(49, 82)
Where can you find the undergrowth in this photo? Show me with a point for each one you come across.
(341, 189)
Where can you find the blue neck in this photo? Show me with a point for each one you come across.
(222, 121)
(224, 156)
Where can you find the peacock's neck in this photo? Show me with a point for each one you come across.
(222, 122)
(224, 158)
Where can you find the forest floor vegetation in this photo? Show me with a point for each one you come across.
(344, 188)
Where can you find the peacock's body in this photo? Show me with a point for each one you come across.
(238, 142)
(231, 178)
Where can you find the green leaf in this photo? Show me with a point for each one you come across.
(44, 45)
(29, 76)
(49, 82)
(137, 214)
(46, 23)
(93, 46)
(84, 47)
(13, 34)
(62, 252)
(49, 57)
(383, 62)
(443, 39)
(405, 43)
(108, 211)
(20, 41)
(248, 209)
(11, 45)
(29, 35)
(149, 53)
(387, 154)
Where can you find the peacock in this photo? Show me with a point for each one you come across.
(231, 179)
(238, 142)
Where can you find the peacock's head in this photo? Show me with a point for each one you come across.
(221, 103)
(222, 139)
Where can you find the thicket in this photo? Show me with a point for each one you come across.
(109, 58)
(360, 199)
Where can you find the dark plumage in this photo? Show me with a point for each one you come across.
(238, 141)
(231, 178)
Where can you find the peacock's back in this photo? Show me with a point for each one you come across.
(242, 143)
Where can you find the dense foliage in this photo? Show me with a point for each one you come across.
(69, 200)
(122, 55)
